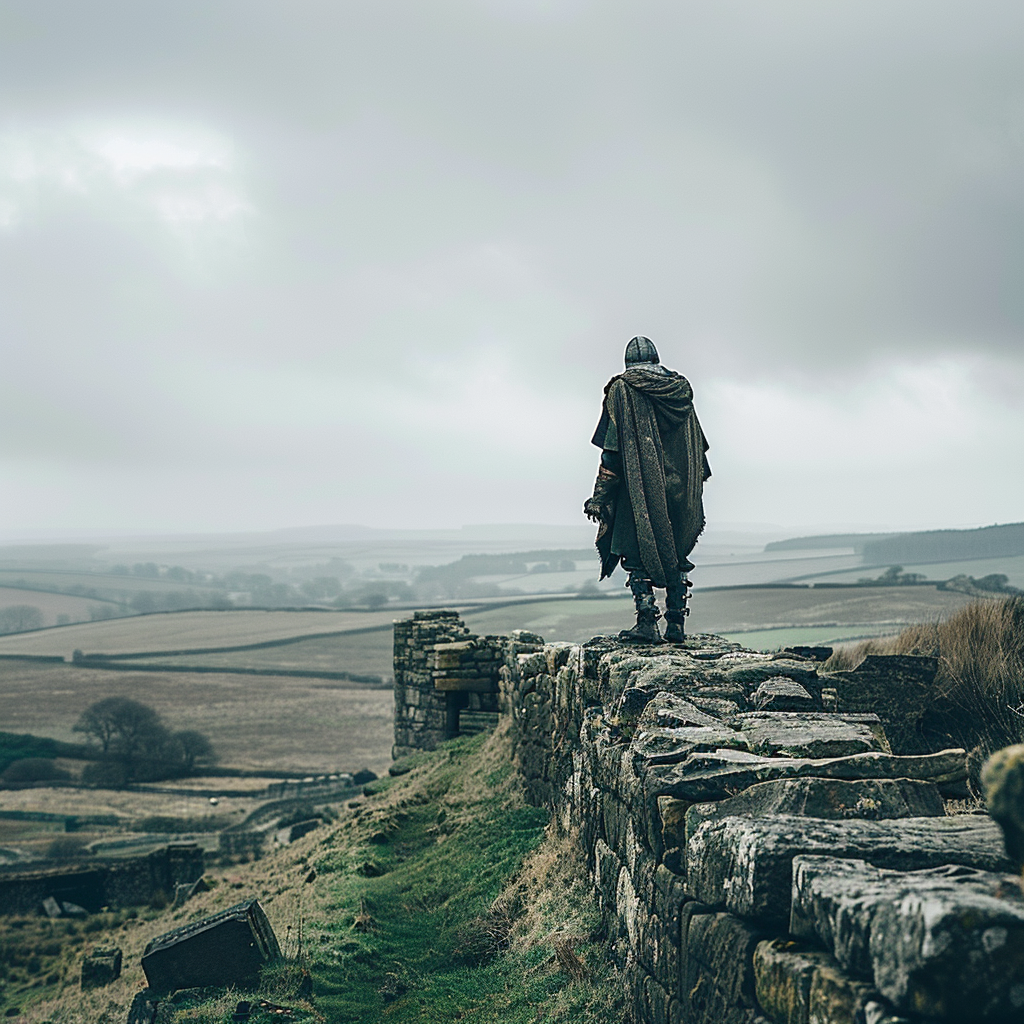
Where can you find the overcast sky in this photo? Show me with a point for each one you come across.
(292, 263)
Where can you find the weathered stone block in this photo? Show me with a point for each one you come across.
(811, 734)
(101, 967)
(667, 711)
(724, 946)
(783, 972)
(754, 670)
(781, 693)
(721, 774)
(745, 864)
(228, 948)
(869, 799)
(668, 746)
(835, 998)
(946, 943)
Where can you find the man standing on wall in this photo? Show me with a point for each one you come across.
(648, 494)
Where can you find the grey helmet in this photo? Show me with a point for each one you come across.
(641, 350)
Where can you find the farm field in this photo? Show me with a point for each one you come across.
(51, 605)
(105, 584)
(361, 643)
(362, 653)
(254, 722)
(1013, 568)
(172, 631)
(869, 610)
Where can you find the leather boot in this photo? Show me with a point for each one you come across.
(646, 629)
(676, 597)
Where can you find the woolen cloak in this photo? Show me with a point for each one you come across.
(657, 513)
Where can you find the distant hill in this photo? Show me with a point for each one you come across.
(857, 541)
(1005, 541)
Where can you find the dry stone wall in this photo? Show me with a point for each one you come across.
(760, 854)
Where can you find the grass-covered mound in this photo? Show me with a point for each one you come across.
(977, 701)
(441, 897)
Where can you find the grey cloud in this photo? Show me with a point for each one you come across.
(792, 192)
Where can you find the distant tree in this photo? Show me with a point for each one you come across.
(126, 730)
(375, 599)
(192, 748)
(148, 569)
(143, 602)
(17, 618)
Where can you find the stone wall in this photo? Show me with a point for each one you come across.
(122, 883)
(441, 671)
(759, 853)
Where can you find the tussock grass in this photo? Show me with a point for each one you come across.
(978, 700)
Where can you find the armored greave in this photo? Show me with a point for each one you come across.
(647, 614)
(676, 597)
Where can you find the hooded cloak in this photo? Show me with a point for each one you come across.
(658, 511)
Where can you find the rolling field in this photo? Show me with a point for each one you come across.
(174, 631)
(51, 605)
(255, 722)
(362, 653)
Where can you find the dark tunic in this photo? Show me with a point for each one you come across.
(656, 446)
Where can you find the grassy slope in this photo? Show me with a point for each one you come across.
(479, 911)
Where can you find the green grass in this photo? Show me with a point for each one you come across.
(467, 895)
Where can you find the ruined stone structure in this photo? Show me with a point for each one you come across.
(121, 883)
(444, 674)
(759, 853)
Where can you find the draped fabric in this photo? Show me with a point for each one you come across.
(649, 419)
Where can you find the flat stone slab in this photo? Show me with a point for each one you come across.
(947, 942)
(722, 773)
(667, 711)
(228, 948)
(811, 734)
(668, 746)
(745, 864)
(833, 799)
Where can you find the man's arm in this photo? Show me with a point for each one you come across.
(598, 507)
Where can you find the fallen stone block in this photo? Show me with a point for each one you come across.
(783, 972)
(811, 734)
(780, 693)
(51, 908)
(745, 864)
(101, 967)
(722, 773)
(835, 799)
(228, 948)
(947, 943)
